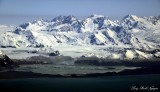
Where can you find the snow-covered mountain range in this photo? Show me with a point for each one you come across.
(132, 36)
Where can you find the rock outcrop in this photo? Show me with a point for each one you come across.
(5, 61)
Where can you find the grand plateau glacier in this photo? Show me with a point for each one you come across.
(132, 37)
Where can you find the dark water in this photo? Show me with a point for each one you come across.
(98, 84)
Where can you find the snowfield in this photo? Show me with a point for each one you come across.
(130, 38)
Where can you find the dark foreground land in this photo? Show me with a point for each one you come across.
(144, 79)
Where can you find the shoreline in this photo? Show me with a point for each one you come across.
(22, 75)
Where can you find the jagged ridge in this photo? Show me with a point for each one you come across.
(142, 33)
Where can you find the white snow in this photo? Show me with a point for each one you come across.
(94, 35)
(135, 30)
(5, 28)
(116, 56)
(157, 54)
(100, 37)
(1, 52)
(145, 55)
(130, 54)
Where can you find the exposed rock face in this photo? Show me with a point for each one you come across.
(5, 61)
(56, 53)
(129, 38)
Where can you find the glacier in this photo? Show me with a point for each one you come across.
(98, 35)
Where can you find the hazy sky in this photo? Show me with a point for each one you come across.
(20, 11)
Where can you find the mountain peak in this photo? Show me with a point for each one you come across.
(131, 17)
(64, 19)
(96, 16)
(58, 18)
(39, 22)
(71, 16)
